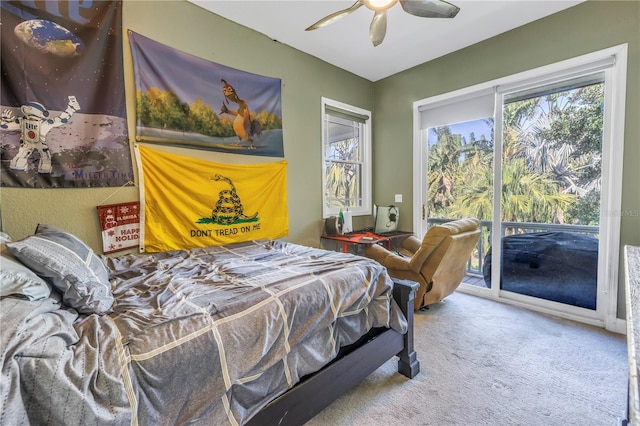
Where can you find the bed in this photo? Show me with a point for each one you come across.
(260, 332)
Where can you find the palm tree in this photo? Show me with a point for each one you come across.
(559, 134)
(475, 188)
(444, 160)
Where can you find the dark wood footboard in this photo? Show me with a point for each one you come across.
(404, 292)
(317, 391)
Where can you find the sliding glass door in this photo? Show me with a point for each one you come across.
(529, 156)
(551, 185)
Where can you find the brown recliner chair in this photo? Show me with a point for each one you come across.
(438, 262)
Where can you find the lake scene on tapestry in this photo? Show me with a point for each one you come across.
(185, 100)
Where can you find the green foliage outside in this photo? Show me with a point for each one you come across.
(551, 163)
(343, 183)
(163, 110)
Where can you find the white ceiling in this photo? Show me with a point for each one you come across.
(410, 40)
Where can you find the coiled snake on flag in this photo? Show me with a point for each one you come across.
(228, 207)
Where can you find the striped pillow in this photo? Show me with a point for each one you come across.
(70, 265)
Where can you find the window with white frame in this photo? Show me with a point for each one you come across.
(346, 159)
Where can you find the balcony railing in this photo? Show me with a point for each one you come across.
(474, 266)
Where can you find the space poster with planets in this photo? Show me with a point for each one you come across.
(62, 109)
(185, 100)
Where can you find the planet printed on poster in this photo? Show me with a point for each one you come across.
(49, 37)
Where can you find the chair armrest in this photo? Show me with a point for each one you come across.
(411, 244)
(386, 258)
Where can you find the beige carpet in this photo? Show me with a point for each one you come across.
(488, 363)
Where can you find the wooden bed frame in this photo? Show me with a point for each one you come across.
(353, 364)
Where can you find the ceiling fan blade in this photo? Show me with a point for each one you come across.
(430, 8)
(329, 19)
(378, 27)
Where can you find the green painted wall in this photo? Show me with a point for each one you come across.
(582, 29)
(193, 30)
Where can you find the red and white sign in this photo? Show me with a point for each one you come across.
(120, 225)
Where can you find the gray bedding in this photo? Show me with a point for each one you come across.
(206, 336)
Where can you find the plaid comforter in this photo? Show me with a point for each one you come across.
(205, 336)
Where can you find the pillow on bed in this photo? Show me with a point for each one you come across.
(70, 265)
(18, 280)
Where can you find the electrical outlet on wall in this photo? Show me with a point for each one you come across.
(398, 198)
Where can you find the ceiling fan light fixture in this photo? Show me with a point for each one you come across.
(378, 27)
(379, 5)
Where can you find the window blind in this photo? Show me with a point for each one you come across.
(469, 107)
(347, 115)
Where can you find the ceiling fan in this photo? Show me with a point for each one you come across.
(378, 27)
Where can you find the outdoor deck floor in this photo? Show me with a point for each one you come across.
(474, 280)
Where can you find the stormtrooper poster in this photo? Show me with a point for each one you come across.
(185, 100)
(62, 108)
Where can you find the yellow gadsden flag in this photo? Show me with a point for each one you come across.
(188, 202)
